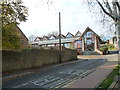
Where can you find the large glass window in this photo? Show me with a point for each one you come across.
(85, 36)
(89, 34)
(89, 41)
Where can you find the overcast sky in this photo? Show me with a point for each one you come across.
(75, 16)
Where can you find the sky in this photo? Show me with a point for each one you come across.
(75, 16)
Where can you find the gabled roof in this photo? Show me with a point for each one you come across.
(70, 34)
(22, 32)
(89, 29)
(40, 38)
(45, 37)
(62, 36)
(78, 34)
(53, 36)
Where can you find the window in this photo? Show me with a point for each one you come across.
(79, 41)
(85, 36)
(89, 41)
(75, 44)
(69, 36)
(89, 34)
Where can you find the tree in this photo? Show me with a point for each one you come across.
(13, 12)
(111, 8)
(10, 38)
(55, 33)
(113, 11)
(103, 37)
(31, 38)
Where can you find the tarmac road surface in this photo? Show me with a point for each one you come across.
(56, 77)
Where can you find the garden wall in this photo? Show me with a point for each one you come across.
(15, 60)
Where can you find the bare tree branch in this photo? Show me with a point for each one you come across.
(115, 10)
(105, 10)
(108, 7)
(118, 5)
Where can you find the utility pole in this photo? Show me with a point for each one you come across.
(60, 58)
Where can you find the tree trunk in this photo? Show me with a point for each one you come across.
(117, 25)
(118, 32)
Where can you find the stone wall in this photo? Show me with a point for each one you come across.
(15, 60)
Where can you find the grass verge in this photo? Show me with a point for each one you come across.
(108, 81)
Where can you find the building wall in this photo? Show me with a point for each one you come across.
(69, 45)
(79, 44)
(114, 42)
(75, 42)
(89, 40)
(24, 40)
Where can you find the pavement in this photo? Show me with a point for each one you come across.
(94, 79)
(90, 81)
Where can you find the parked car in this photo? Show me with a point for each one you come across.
(114, 52)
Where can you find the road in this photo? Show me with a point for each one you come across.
(56, 77)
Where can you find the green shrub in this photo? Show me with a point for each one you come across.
(25, 49)
(10, 38)
(103, 48)
(109, 47)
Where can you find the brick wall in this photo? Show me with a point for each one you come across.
(23, 38)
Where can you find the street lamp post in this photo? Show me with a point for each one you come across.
(60, 58)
